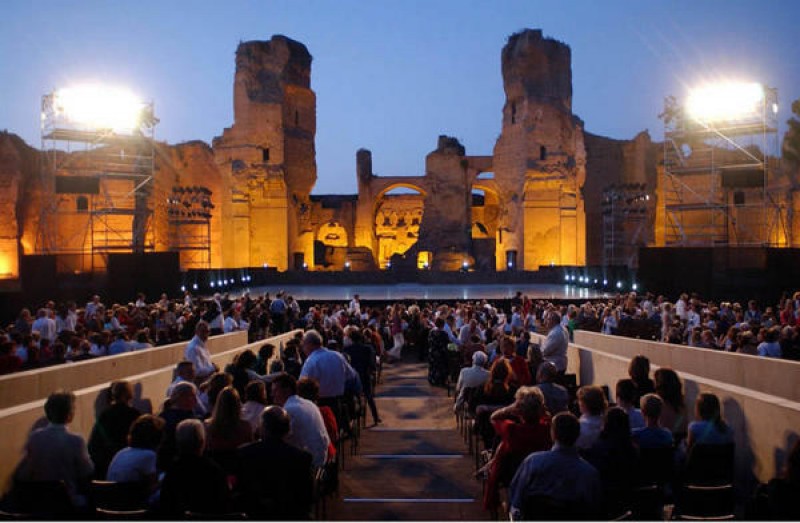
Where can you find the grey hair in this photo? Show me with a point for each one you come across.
(190, 436)
(530, 401)
(313, 337)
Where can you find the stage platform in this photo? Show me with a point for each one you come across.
(416, 291)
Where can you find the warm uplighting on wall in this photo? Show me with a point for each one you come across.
(424, 259)
(9, 268)
(725, 101)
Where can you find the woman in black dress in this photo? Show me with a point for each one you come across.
(437, 354)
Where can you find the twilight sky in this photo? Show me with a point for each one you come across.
(391, 75)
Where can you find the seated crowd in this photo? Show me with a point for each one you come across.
(549, 445)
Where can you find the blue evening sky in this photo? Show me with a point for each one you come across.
(391, 75)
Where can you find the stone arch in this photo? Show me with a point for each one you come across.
(332, 234)
(397, 219)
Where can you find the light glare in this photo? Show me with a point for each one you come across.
(99, 106)
(725, 101)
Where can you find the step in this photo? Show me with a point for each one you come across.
(412, 442)
(399, 510)
(409, 412)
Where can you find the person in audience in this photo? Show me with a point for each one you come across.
(179, 407)
(626, 400)
(226, 430)
(519, 366)
(770, 347)
(554, 347)
(275, 477)
(639, 373)
(255, 395)
(331, 370)
(781, 492)
(471, 378)
(110, 431)
(198, 354)
(592, 404)
(362, 359)
(292, 364)
(210, 389)
(184, 372)
(45, 326)
(556, 397)
(616, 459)
(523, 427)
(652, 435)
(438, 365)
(120, 345)
(265, 354)
(53, 453)
(308, 388)
(709, 427)
(497, 390)
(673, 413)
(242, 370)
(308, 428)
(9, 362)
(193, 482)
(137, 462)
(559, 474)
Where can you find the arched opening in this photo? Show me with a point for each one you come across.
(398, 216)
(485, 220)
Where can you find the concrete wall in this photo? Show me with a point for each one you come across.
(23, 387)
(765, 425)
(149, 390)
(771, 376)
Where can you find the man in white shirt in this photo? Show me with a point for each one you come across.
(355, 305)
(231, 323)
(198, 354)
(554, 347)
(45, 326)
(471, 377)
(308, 428)
(328, 367)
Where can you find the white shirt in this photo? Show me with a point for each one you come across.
(230, 325)
(197, 353)
(591, 426)
(554, 347)
(251, 413)
(307, 429)
(132, 464)
(330, 369)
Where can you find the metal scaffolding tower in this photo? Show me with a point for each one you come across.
(189, 217)
(626, 217)
(97, 185)
(719, 185)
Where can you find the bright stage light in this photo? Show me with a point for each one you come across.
(100, 107)
(725, 102)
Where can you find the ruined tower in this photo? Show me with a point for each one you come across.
(539, 159)
(268, 158)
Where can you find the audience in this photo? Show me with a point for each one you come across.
(652, 435)
(709, 428)
(556, 397)
(110, 432)
(627, 401)
(592, 404)
(53, 453)
(255, 396)
(137, 462)
(193, 482)
(226, 430)
(559, 475)
(673, 411)
(307, 426)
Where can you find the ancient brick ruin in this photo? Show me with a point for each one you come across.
(535, 201)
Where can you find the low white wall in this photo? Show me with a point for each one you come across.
(35, 384)
(765, 425)
(769, 375)
(149, 389)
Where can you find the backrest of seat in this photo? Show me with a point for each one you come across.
(710, 464)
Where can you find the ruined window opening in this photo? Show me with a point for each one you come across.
(297, 117)
(513, 112)
(82, 204)
(542, 153)
(265, 155)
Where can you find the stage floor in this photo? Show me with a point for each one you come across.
(403, 291)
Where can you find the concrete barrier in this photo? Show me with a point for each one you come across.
(31, 385)
(768, 375)
(765, 425)
(149, 390)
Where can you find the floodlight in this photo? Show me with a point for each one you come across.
(99, 106)
(725, 102)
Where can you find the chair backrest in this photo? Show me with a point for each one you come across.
(546, 508)
(122, 515)
(698, 502)
(229, 516)
(42, 498)
(119, 496)
(710, 464)
(655, 465)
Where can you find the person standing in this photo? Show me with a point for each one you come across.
(198, 354)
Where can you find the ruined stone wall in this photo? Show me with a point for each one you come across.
(17, 162)
(539, 159)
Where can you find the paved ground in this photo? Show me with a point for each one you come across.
(415, 465)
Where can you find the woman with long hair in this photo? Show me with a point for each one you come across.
(673, 414)
(226, 430)
(710, 428)
(396, 329)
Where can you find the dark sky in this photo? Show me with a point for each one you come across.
(392, 75)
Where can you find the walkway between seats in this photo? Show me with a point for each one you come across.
(415, 465)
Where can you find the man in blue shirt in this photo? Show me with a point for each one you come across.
(559, 474)
(330, 369)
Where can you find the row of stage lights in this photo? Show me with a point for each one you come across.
(221, 283)
(586, 281)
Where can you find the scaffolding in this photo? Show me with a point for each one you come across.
(189, 218)
(720, 184)
(96, 186)
(626, 218)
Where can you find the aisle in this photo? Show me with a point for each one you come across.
(415, 465)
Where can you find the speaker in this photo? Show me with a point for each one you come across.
(742, 178)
